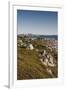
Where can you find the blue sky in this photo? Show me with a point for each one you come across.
(37, 22)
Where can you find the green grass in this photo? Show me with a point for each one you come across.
(29, 65)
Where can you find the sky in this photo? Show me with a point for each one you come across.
(37, 22)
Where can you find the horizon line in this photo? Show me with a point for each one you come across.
(36, 34)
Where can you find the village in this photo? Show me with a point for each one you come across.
(44, 51)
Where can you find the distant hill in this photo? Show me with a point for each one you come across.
(55, 37)
(49, 36)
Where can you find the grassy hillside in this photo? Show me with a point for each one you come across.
(29, 65)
